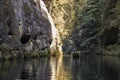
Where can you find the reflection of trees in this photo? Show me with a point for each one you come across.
(111, 68)
(89, 68)
(96, 68)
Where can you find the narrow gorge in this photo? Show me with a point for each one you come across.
(59, 39)
(87, 26)
(30, 28)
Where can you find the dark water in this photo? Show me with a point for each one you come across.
(66, 68)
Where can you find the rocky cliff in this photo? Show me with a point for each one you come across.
(26, 26)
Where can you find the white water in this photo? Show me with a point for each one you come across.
(55, 36)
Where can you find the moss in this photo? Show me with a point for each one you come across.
(112, 50)
(7, 53)
(26, 9)
(55, 53)
(24, 55)
(34, 54)
(4, 47)
(6, 56)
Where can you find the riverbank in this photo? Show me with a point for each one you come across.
(15, 55)
(110, 51)
(8, 55)
(113, 50)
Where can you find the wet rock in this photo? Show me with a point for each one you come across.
(24, 26)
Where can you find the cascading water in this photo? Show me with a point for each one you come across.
(56, 44)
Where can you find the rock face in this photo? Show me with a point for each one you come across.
(25, 25)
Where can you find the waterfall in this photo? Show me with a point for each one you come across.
(55, 36)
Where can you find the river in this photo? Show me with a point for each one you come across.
(62, 68)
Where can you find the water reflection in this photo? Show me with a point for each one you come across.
(62, 68)
(59, 70)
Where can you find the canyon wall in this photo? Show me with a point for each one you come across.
(26, 27)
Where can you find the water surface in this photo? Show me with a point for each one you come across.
(62, 68)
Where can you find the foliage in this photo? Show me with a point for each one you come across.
(90, 26)
(87, 21)
(94, 19)
(4, 48)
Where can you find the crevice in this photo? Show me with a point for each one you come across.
(25, 39)
(10, 31)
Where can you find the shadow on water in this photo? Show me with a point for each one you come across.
(96, 68)
(62, 68)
